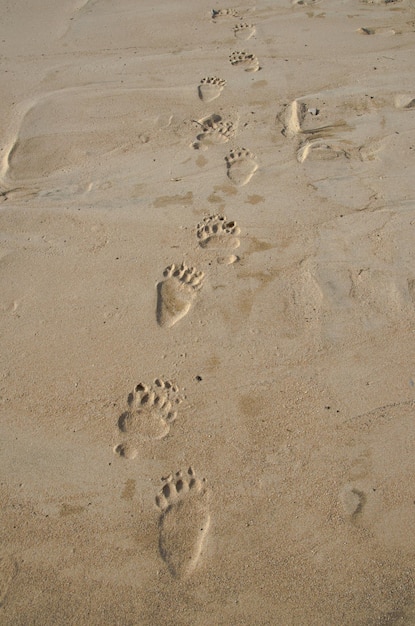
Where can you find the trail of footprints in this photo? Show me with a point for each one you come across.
(152, 408)
(183, 499)
(241, 163)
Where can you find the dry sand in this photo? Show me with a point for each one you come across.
(144, 333)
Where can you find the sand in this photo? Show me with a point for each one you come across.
(207, 312)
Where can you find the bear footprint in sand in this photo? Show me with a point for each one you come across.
(214, 130)
(176, 293)
(249, 62)
(151, 410)
(210, 88)
(184, 521)
(217, 232)
(224, 13)
(241, 165)
(244, 31)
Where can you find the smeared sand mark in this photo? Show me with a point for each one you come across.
(247, 61)
(184, 521)
(377, 293)
(292, 118)
(216, 232)
(411, 288)
(244, 31)
(366, 31)
(320, 150)
(305, 3)
(210, 88)
(176, 293)
(352, 500)
(51, 139)
(228, 260)
(380, 1)
(8, 570)
(381, 30)
(241, 165)
(369, 151)
(404, 101)
(378, 494)
(151, 411)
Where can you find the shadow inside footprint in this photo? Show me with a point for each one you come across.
(320, 150)
(353, 501)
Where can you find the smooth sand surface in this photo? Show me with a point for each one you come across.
(207, 313)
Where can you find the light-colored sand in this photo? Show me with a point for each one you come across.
(207, 262)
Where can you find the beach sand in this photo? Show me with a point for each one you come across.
(207, 311)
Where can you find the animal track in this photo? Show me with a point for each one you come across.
(353, 501)
(224, 13)
(184, 521)
(215, 130)
(151, 410)
(126, 450)
(216, 232)
(241, 165)
(210, 88)
(244, 31)
(176, 293)
(249, 62)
